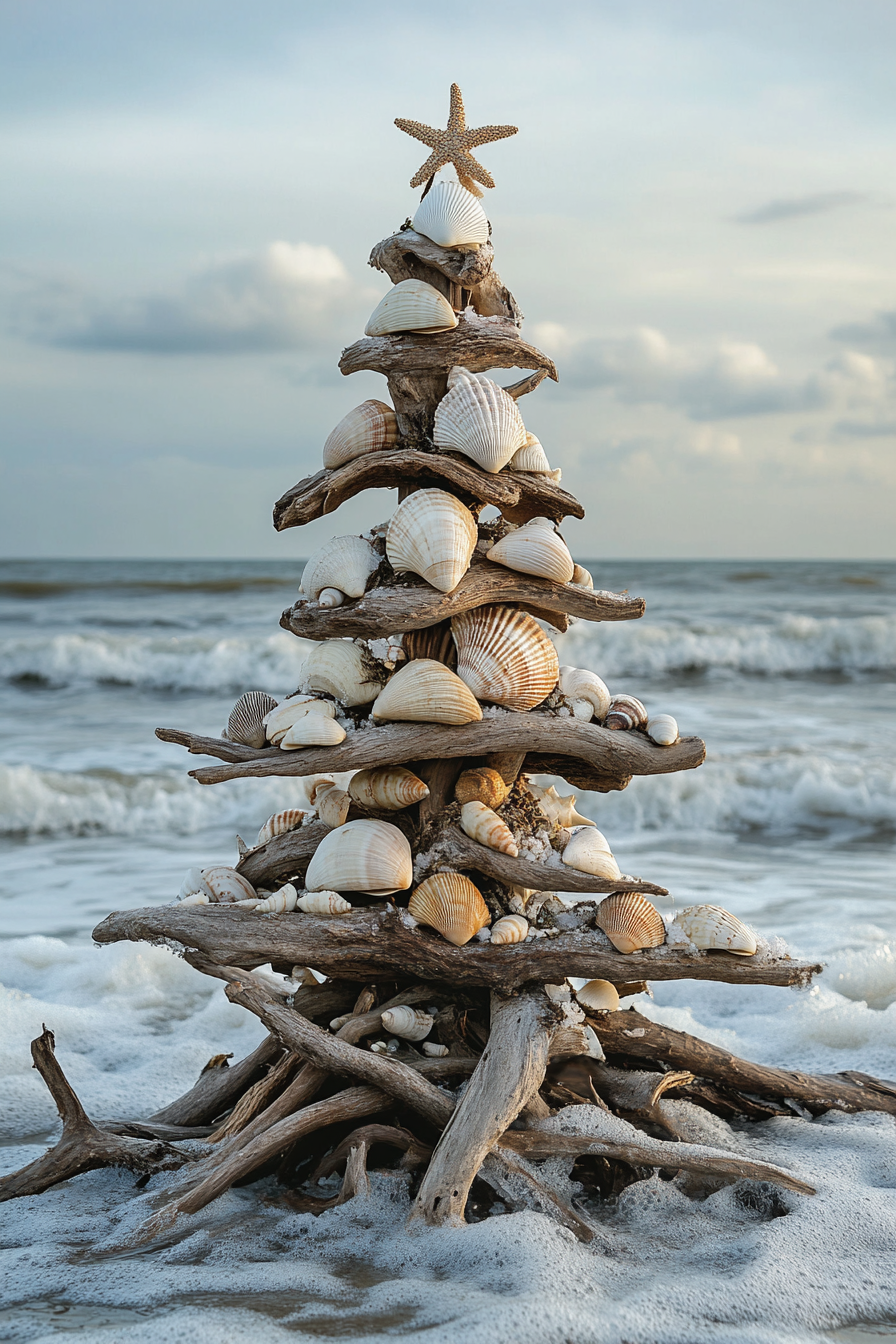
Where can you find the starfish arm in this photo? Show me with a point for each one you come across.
(432, 165)
(483, 135)
(418, 130)
(469, 185)
(456, 119)
(468, 166)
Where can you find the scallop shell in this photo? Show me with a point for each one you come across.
(344, 564)
(587, 693)
(481, 823)
(434, 1050)
(534, 549)
(225, 885)
(313, 730)
(450, 903)
(279, 720)
(280, 902)
(482, 785)
(531, 457)
(410, 1024)
(712, 928)
(510, 929)
(411, 305)
(630, 921)
(663, 729)
(432, 534)
(332, 805)
(625, 712)
(195, 898)
(323, 903)
(505, 657)
(561, 810)
(281, 822)
(588, 852)
(478, 418)
(598, 995)
(369, 428)
(246, 722)
(451, 216)
(425, 691)
(582, 578)
(344, 669)
(367, 855)
(388, 790)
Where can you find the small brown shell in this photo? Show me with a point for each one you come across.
(245, 723)
(510, 929)
(630, 921)
(483, 825)
(389, 789)
(450, 903)
(481, 785)
(625, 712)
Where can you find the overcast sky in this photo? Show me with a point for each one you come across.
(697, 217)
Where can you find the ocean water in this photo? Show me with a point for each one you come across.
(785, 669)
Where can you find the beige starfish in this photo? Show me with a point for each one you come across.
(453, 145)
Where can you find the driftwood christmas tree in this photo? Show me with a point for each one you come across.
(440, 1030)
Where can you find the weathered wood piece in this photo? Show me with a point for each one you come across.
(477, 343)
(416, 1152)
(396, 256)
(218, 1088)
(257, 1098)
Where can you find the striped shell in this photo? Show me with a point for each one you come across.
(581, 577)
(411, 305)
(313, 730)
(510, 929)
(367, 429)
(531, 457)
(425, 691)
(246, 721)
(714, 929)
(279, 902)
(505, 657)
(279, 720)
(450, 903)
(534, 548)
(388, 790)
(630, 921)
(482, 824)
(343, 564)
(366, 855)
(281, 822)
(586, 692)
(598, 995)
(224, 885)
(410, 1024)
(588, 852)
(332, 805)
(625, 712)
(451, 216)
(663, 730)
(434, 535)
(482, 785)
(344, 669)
(478, 418)
(323, 903)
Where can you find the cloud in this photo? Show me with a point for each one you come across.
(797, 207)
(879, 333)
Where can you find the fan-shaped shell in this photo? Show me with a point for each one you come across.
(279, 720)
(281, 822)
(388, 790)
(598, 995)
(323, 903)
(410, 1024)
(630, 921)
(663, 729)
(625, 712)
(510, 929)
(587, 693)
(369, 428)
(434, 1050)
(534, 548)
(434, 535)
(588, 852)
(557, 809)
(366, 855)
(332, 805)
(411, 305)
(451, 216)
(482, 785)
(343, 563)
(279, 902)
(344, 669)
(581, 577)
(505, 657)
(225, 885)
(713, 928)
(531, 457)
(450, 903)
(481, 823)
(425, 691)
(246, 721)
(312, 730)
(478, 418)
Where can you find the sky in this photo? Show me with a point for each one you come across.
(697, 218)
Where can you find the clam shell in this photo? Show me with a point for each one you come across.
(313, 730)
(557, 809)
(434, 535)
(332, 806)
(279, 720)
(482, 785)
(534, 549)
(344, 564)
(625, 712)
(410, 1024)
(279, 902)
(369, 428)
(713, 928)
(434, 1050)
(450, 903)
(411, 305)
(451, 216)
(582, 578)
(510, 929)
(281, 822)
(663, 729)
(388, 790)
(598, 995)
(481, 823)
(505, 657)
(224, 885)
(425, 691)
(344, 669)
(531, 457)
(478, 418)
(246, 721)
(323, 903)
(630, 921)
(370, 856)
(587, 693)
(588, 852)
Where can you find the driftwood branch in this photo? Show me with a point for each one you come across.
(477, 343)
(416, 1153)
(218, 1088)
(395, 255)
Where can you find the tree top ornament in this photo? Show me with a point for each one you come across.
(453, 145)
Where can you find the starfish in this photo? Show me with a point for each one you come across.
(453, 145)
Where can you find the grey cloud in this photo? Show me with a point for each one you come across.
(796, 207)
(879, 333)
(863, 429)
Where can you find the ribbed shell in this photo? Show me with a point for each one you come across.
(345, 669)
(344, 563)
(278, 721)
(451, 216)
(581, 577)
(410, 1024)
(369, 428)
(280, 902)
(663, 729)
(314, 730)
(588, 852)
(332, 806)
(450, 903)
(505, 657)
(225, 885)
(480, 823)
(483, 785)
(434, 535)
(598, 995)
(531, 457)
(510, 929)
(245, 723)
(630, 921)
(367, 855)
(713, 928)
(588, 694)
(534, 548)
(425, 691)
(625, 712)
(281, 822)
(478, 418)
(323, 903)
(388, 790)
(412, 305)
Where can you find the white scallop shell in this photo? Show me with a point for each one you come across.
(713, 928)
(345, 669)
(410, 1024)
(587, 693)
(411, 305)
(312, 730)
(510, 929)
(369, 428)
(434, 535)
(581, 577)
(434, 1050)
(663, 729)
(531, 457)
(343, 563)
(426, 691)
(504, 656)
(480, 823)
(598, 995)
(323, 903)
(279, 720)
(368, 855)
(279, 902)
(246, 721)
(224, 885)
(478, 418)
(534, 549)
(451, 216)
(588, 852)
(281, 822)
(389, 789)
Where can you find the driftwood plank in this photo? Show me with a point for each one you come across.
(477, 343)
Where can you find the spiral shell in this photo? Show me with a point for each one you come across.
(481, 823)
(482, 785)
(534, 548)
(330, 597)
(451, 216)
(281, 822)
(368, 855)
(588, 852)
(713, 928)
(505, 657)
(369, 428)
(280, 902)
(387, 790)
(410, 1024)
(663, 730)
(225, 885)
(625, 712)
(425, 691)
(434, 535)
(582, 578)
(323, 903)
(246, 721)
(531, 457)
(434, 1050)
(586, 692)
(557, 809)
(598, 995)
(344, 564)
(344, 669)
(312, 730)
(450, 903)
(510, 929)
(332, 805)
(478, 418)
(411, 305)
(630, 921)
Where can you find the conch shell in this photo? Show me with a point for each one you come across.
(586, 692)
(225, 885)
(279, 903)
(279, 720)
(411, 305)
(510, 929)
(368, 855)
(535, 548)
(712, 928)
(505, 657)
(482, 785)
(630, 921)
(451, 216)
(663, 730)
(387, 790)
(332, 805)
(344, 669)
(598, 995)
(425, 691)
(411, 1024)
(478, 418)
(323, 903)
(625, 712)
(246, 721)
(481, 823)
(588, 852)
(367, 429)
(344, 564)
(434, 535)
(312, 730)
(281, 822)
(450, 903)
(561, 810)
